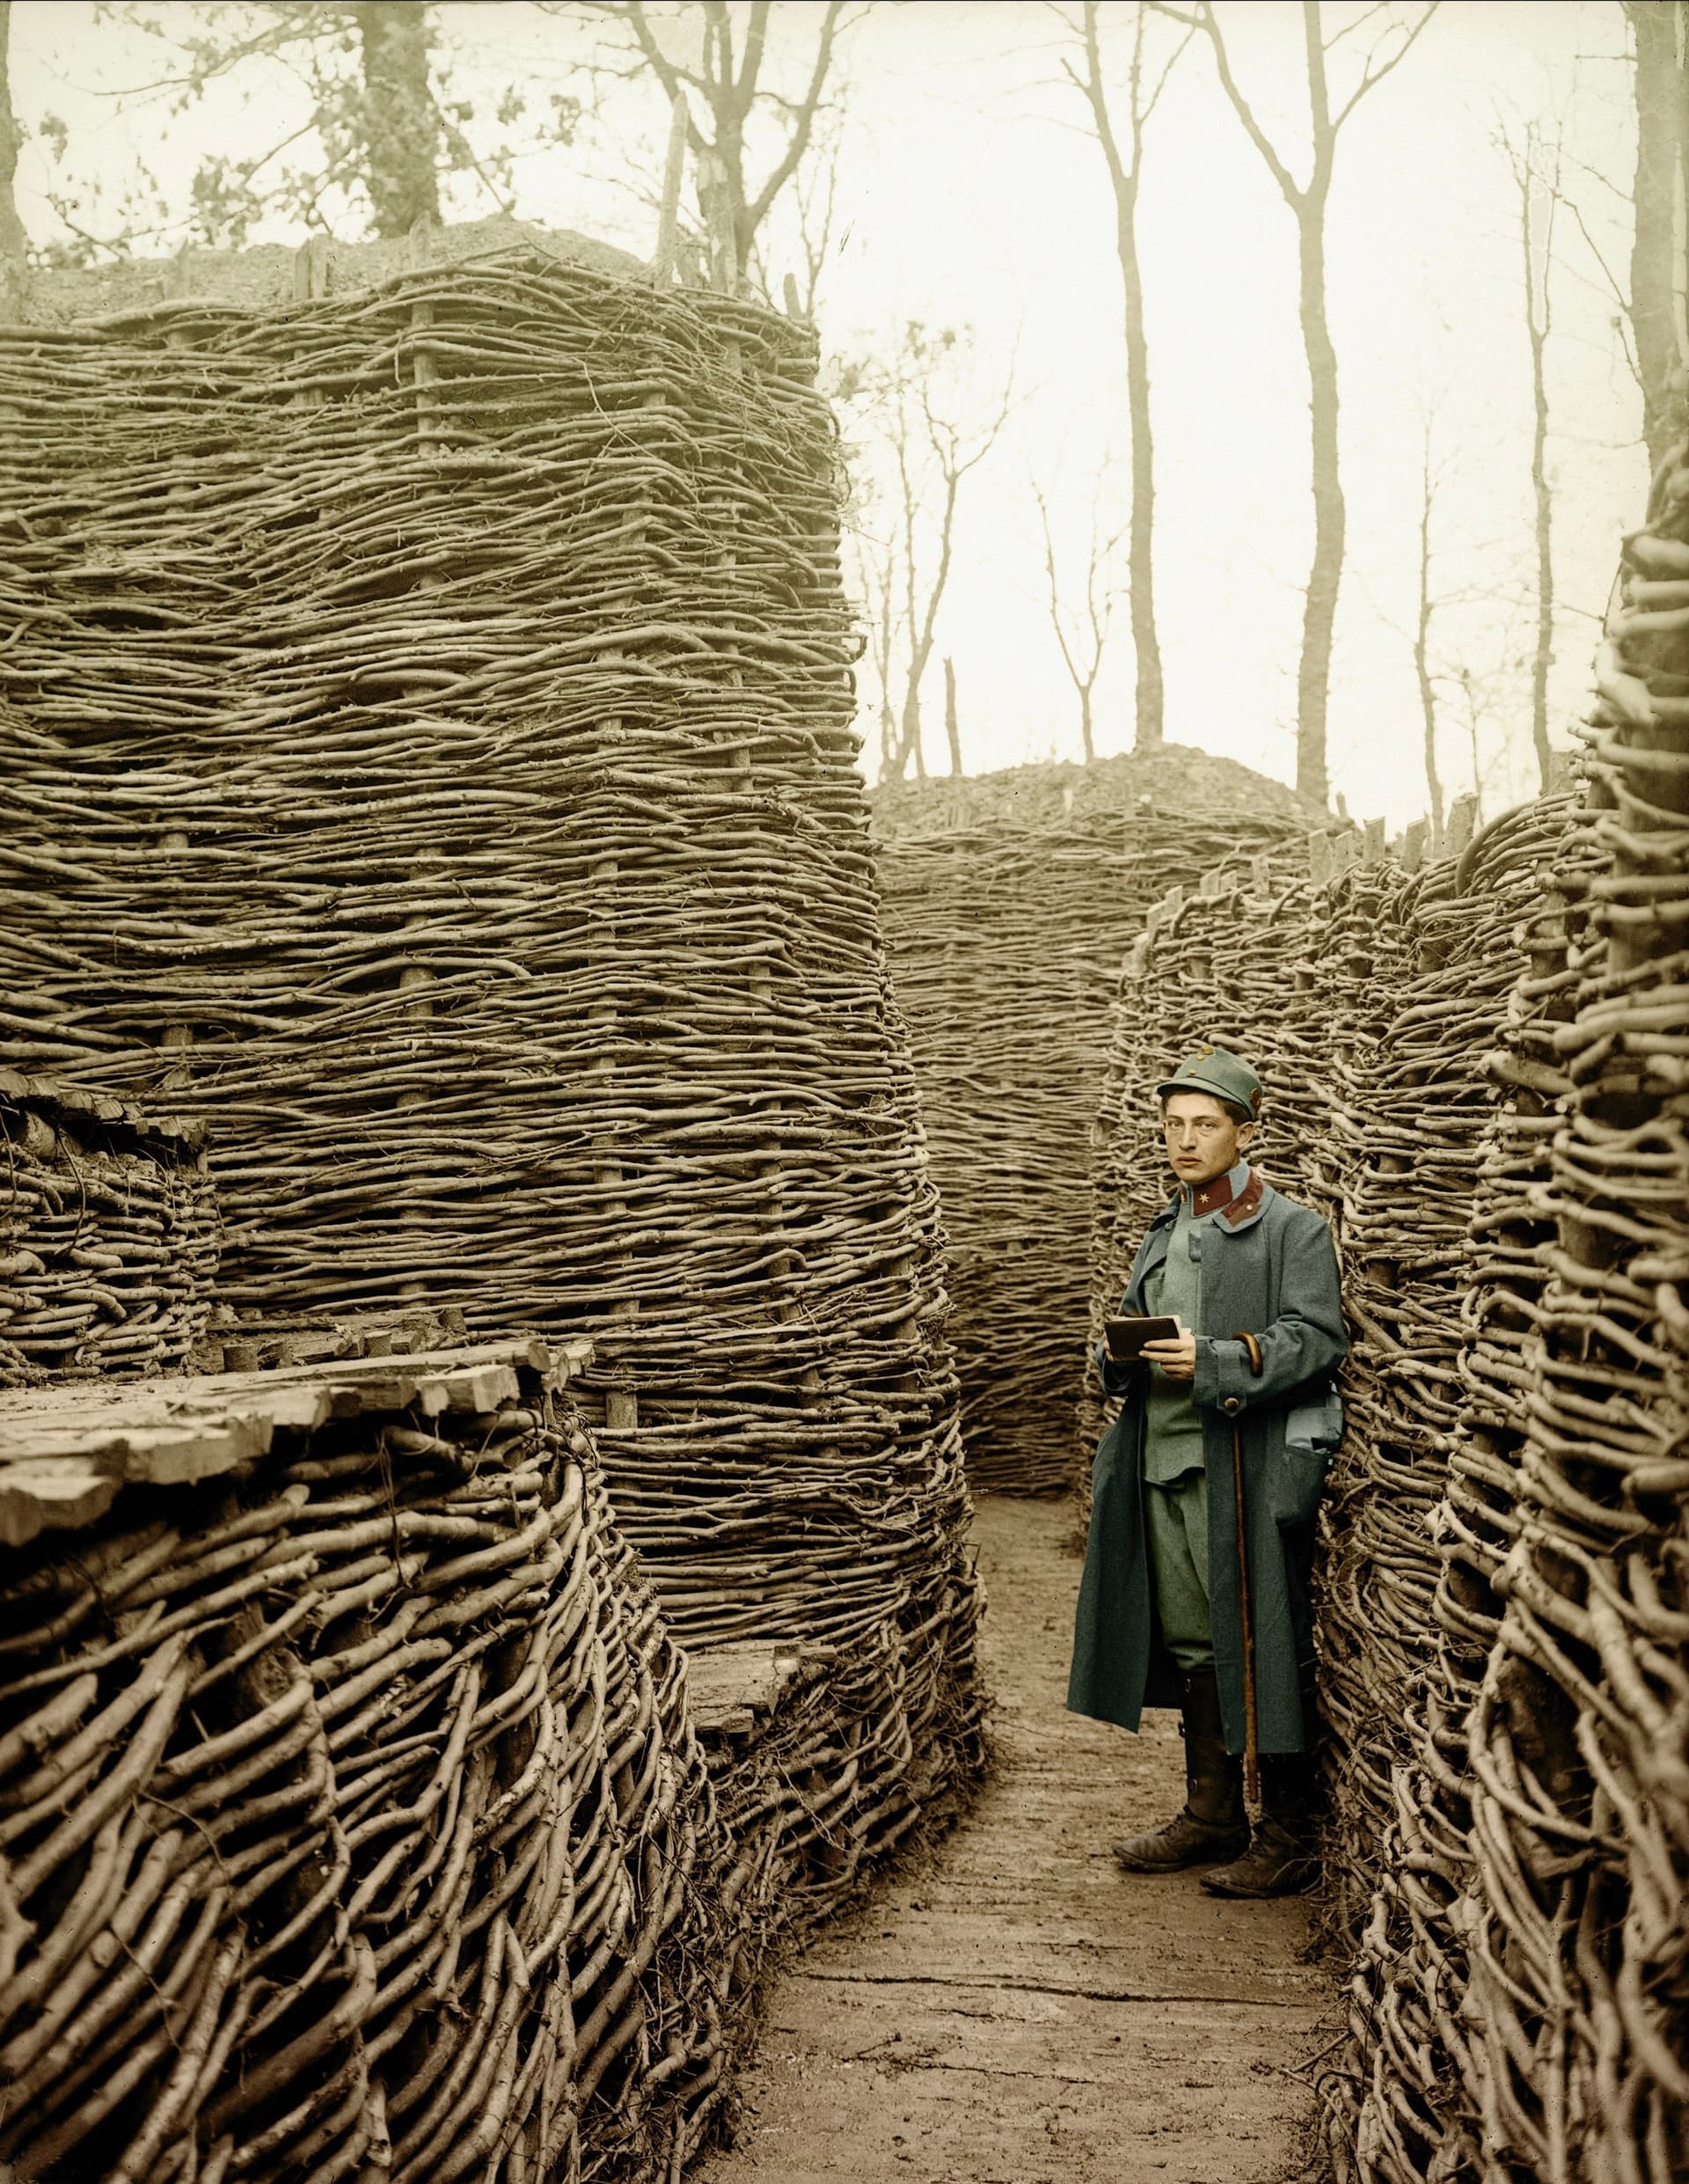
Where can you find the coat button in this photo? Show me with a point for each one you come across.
(1232, 1403)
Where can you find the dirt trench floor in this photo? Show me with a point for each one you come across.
(1011, 2008)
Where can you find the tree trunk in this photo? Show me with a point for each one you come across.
(1543, 656)
(1422, 661)
(952, 725)
(1537, 324)
(401, 123)
(1088, 734)
(909, 728)
(1477, 755)
(1146, 645)
(13, 243)
(1660, 139)
(1330, 517)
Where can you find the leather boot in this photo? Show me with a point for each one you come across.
(1213, 1824)
(1281, 1860)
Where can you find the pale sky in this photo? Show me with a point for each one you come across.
(972, 198)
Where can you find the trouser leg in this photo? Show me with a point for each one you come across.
(1213, 1825)
(1175, 1519)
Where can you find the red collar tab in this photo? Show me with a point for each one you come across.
(1248, 1200)
(1210, 1197)
(1218, 1197)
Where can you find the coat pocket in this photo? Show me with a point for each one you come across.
(1316, 1423)
(1297, 1477)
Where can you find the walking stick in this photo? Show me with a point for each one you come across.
(1251, 1717)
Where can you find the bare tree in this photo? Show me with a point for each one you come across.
(14, 244)
(1307, 203)
(1429, 479)
(815, 208)
(1125, 170)
(1083, 636)
(1476, 700)
(1484, 690)
(1655, 267)
(880, 602)
(1536, 164)
(727, 99)
(952, 723)
(912, 448)
(923, 438)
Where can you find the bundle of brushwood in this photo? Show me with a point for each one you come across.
(1414, 1113)
(1402, 1860)
(351, 1819)
(429, 736)
(1009, 901)
(108, 1236)
(1528, 2018)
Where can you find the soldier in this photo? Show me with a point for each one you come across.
(1246, 1391)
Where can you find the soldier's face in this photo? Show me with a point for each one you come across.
(1203, 1140)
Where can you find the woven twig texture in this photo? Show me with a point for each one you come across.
(108, 1238)
(1010, 901)
(1524, 2012)
(351, 1822)
(429, 734)
(428, 727)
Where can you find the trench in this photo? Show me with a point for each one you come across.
(1010, 2008)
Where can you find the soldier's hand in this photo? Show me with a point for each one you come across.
(1176, 1358)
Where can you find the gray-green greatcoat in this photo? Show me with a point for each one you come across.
(1269, 1268)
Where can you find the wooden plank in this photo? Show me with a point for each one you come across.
(730, 1688)
(51, 1490)
(65, 1452)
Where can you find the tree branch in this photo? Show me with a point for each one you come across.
(806, 120)
(1154, 99)
(1056, 624)
(666, 73)
(1205, 20)
(751, 68)
(1370, 77)
(1378, 7)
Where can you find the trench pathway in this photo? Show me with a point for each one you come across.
(1010, 2008)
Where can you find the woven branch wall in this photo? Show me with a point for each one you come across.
(1010, 899)
(1478, 1073)
(108, 1237)
(351, 1816)
(1522, 2007)
(429, 724)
